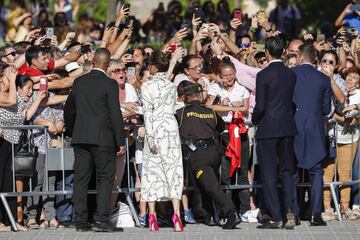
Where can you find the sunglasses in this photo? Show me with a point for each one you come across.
(11, 53)
(197, 67)
(244, 45)
(119, 70)
(327, 61)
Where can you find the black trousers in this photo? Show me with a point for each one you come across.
(270, 152)
(204, 163)
(88, 157)
(6, 180)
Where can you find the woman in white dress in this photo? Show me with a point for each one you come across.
(162, 178)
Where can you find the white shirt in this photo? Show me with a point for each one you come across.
(237, 94)
(131, 95)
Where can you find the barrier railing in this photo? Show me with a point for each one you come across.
(57, 156)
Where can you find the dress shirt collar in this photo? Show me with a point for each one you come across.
(99, 69)
(275, 60)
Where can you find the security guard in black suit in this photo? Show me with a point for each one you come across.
(199, 128)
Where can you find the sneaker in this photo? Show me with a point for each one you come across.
(254, 215)
(188, 216)
(328, 215)
(142, 220)
(356, 212)
(348, 214)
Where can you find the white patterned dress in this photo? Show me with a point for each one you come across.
(162, 177)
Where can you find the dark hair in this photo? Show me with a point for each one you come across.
(182, 86)
(186, 62)
(22, 80)
(144, 67)
(226, 63)
(60, 18)
(159, 60)
(33, 53)
(73, 44)
(275, 46)
(259, 55)
(322, 54)
(350, 70)
(308, 51)
(21, 47)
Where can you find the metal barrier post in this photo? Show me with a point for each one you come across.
(13, 165)
(62, 161)
(8, 211)
(46, 161)
(336, 202)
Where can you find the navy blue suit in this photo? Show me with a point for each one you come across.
(313, 101)
(274, 117)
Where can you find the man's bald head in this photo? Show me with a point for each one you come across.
(293, 47)
(102, 58)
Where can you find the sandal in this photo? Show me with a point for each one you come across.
(53, 224)
(21, 228)
(31, 224)
(4, 228)
(44, 225)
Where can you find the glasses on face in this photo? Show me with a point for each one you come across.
(244, 45)
(13, 53)
(119, 70)
(200, 67)
(327, 61)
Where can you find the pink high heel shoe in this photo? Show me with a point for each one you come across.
(176, 220)
(153, 226)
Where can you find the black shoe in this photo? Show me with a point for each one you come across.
(68, 224)
(317, 221)
(263, 218)
(297, 221)
(271, 225)
(290, 220)
(232, 220)
(105, 227)
(83, 227)
(209, 220)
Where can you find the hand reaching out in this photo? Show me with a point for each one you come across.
(235, 23)
(195, 22)
(177, 54)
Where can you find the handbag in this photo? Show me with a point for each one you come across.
(26, 154)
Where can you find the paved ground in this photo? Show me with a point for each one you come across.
(335, 230)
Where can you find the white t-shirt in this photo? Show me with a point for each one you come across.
(348, 137)
(131, 95)
(237, 94)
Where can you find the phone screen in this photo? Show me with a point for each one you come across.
(238, 14)
(49, 32)
(131, 71)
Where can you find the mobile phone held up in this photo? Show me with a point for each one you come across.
(172, 48)
(238, 14)
(49, 32)
(43, 85)
(131, 71)
(199, 14)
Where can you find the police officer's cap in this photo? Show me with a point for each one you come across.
(192, 89)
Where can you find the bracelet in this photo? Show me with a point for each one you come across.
(270, 30)
(251, 29)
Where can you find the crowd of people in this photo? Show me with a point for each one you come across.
(222, 87)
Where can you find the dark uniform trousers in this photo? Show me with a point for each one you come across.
(270, 152)
(88, 157)
(204, 162)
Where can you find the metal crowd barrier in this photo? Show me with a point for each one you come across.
(58, 163)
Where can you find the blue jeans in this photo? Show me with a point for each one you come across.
(64, 203)
(355, 191)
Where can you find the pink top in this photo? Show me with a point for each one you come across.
(246, 76)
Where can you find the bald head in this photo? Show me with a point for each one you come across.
(293, 47)
(102, 58)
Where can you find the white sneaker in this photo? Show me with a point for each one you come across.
(250, 216)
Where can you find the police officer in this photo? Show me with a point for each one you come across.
(199, 127)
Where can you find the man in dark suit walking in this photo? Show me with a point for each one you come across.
(93, 112)
(274, 117)
(313, 100)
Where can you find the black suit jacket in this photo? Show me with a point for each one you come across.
(93, 112)
(274, 110)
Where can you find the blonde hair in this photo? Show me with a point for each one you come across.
(113, 63)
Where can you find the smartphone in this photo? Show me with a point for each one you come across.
(185, 25)
(131, 23)
(172, 47)
(131, 71)
(217, 100)
(355, 7)
(43, 84)
(238, 14)
(199, 13)
(126, 5)
(49, 32)
(320, 38)
(85, 48)
(130, 51)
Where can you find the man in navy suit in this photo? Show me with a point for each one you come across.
(313, 100)
(274, 117)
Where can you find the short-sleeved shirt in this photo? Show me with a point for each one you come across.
(237, 94)
(34, 72)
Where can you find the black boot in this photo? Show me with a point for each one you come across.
(233, 219)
